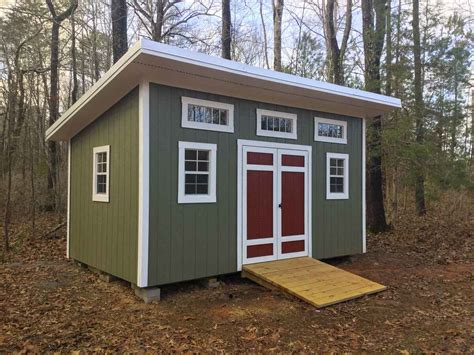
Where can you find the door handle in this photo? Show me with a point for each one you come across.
(279, 205)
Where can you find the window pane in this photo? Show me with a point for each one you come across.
(270, 123)
(203, 166)
(223, 117)
(201, 189)
(190, 178)
(289, 126)
(323, 129)
(190, 154)
(190, 189)
(282, 124)
(215, 116)
(276, 124)
(203, 155)
(336, 184)
(264, 123)
(333, 171)
(101, 184)
(208, 114)
(202, 178)
(190, 166)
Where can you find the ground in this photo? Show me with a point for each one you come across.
(48, 303)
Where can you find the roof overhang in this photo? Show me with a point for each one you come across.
(168, 65)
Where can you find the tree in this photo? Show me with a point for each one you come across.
(335, 54)
(119, 28)
(226, 28)
(420, 179)
(277, 21)
(167, 19)
(57, 19)
(373, 29)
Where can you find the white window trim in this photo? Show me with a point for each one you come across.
(96, 196)
(264, 133)
(185, 101)
(318, 138)
(211, 196)
(337, 195)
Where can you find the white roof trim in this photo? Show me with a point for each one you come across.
(125, 75)
(197, 58)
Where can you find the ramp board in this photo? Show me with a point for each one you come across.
(311, 280)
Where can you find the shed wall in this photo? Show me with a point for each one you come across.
(104, 235)
(189, 241)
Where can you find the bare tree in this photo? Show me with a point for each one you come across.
(374, 27)
(335, 54)
(54, 93)
(419, 130)
(277, 21)
(119, 28)
(165, 19)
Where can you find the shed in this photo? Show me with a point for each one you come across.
(183, 165)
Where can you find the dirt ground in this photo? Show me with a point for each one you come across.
(48, 303)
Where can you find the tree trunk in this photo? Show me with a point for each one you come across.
(265, 39)
(75, 84)
(226, 28)
(335, 55)
(119, 28)
(54, 98)
(277, 20)
(373, 37)
(388, 51)
(420, 179)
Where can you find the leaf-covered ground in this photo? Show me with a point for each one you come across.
(48, 303)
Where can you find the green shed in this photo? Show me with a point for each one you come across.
(183, 166)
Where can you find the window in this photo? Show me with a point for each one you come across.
(197, 172)
(331, 131)
(276, 124)
(101, 170)
(208, 115)
(337, 176)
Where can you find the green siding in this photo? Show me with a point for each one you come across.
(189, 241)
(104, 235)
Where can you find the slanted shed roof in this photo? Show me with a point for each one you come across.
(168, 65)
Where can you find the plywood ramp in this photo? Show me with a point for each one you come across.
(313, 281)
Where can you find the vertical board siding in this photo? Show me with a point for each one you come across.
(189, 241)
(104, 235)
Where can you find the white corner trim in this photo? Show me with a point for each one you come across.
(68, 197)
(185, 101)
(266, 133)
(212, 182)
(318, 138)
(364, 227)
(101, 197)
(143, 182)
(337, 195)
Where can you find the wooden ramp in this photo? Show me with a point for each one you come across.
(311, 280)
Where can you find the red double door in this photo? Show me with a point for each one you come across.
(276, 202)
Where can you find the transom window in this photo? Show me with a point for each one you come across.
(197, 172)
(208, 115)
(276, 124)
(332, 131)
(337, 176)
(100, 185)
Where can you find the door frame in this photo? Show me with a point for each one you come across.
(240, 171)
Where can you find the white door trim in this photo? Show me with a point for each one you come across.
(240, 188)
